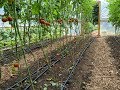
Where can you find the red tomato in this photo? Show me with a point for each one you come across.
(42, 21)
(47, 23)
(4, 19)
(16, 65)
(9, 18)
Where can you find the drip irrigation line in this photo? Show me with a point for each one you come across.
(35, 73)
(44, 68)
(63, 85)
(116, 40)
(32, 47)
(44, 71)
(21, 81)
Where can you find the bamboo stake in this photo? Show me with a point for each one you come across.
(99, 12)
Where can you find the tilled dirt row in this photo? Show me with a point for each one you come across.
(64, 64)
(114, 43)
(97, 70)
(37, 61)
(56, 75)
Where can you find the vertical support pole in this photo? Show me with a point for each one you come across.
(99, 12)
(0, 64)
(82, 24)
(0, 71)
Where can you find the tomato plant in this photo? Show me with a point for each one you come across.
(114, 12)
(10, 1)
(38, 20)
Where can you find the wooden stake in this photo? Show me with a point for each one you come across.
(99, 12)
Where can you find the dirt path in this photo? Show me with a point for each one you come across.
(97, 70)
(104, 74)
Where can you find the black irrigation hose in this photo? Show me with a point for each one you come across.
(34, 73)
(46, 69)
(116, 40)
(21, 81)
(63, 85)
(32, 47)
(16, 84)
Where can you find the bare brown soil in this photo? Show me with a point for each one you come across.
(60, 71)
(97, 70)
(63, 66)
(33, 62)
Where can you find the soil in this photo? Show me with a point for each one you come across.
(9, 54)
(98, 69)
(115, 51)
(69, 60)
(60, 71)
(33, 62)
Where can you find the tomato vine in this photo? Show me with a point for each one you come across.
(114, 12)
(51, 19)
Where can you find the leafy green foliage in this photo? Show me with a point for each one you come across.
(89, 27)
(95, 14)
(114, 12)
(28, 12)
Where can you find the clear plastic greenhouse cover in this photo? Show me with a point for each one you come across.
(106, 26)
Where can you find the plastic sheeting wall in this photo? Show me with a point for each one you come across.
(105, 25)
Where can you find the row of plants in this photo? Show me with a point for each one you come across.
(114, 13)
(7, 36)
(50, 18)
(54, 16)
